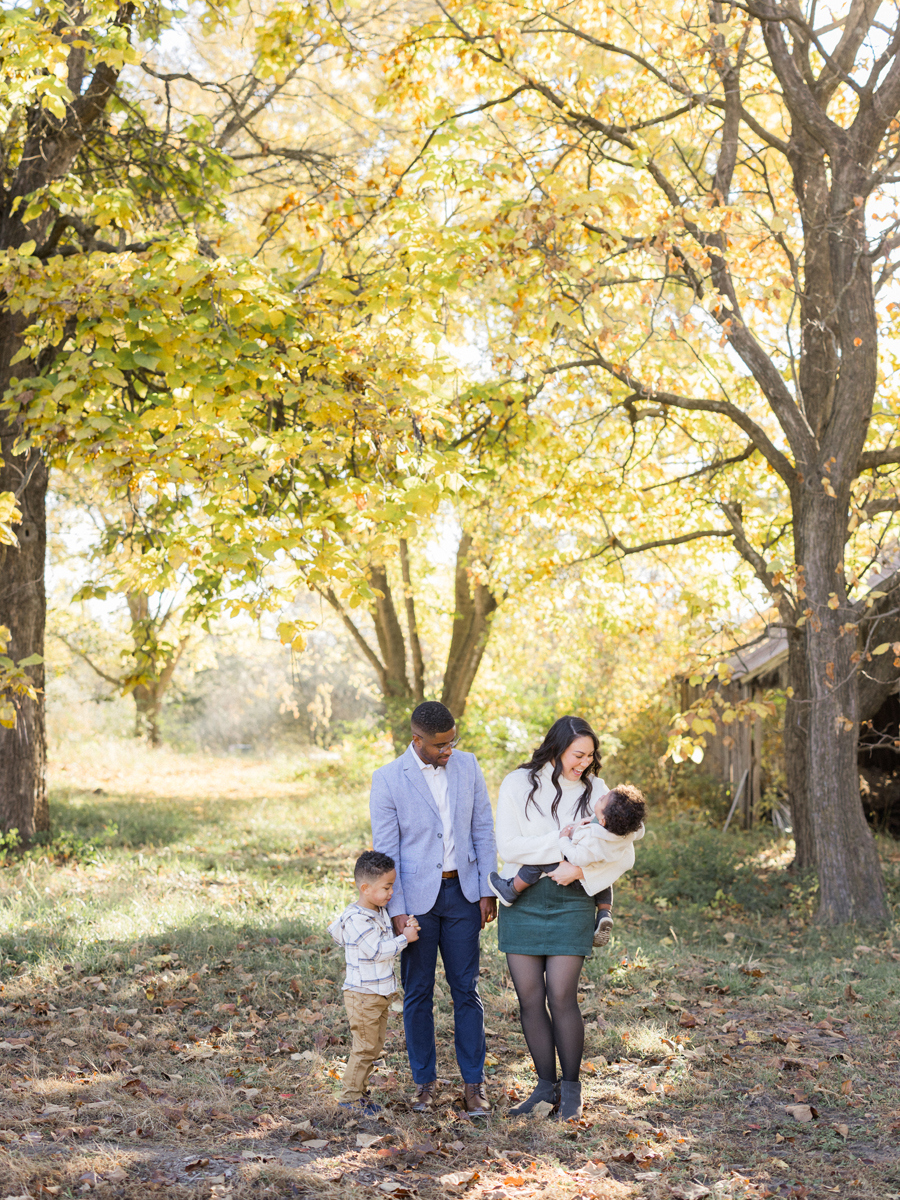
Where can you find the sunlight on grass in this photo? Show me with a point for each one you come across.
(183, 847)
(181, 909)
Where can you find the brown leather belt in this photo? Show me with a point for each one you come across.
(450, 875)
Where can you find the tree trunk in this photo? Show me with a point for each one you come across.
(412, 625)
(851, 887)
(796, 740)
(395, 688)
(473, 610)
(471, 626)
(850, 882)
(49, 148)
(23, 608)
(876, 681)
(146, 714)
(150, 692)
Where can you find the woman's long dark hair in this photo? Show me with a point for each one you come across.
(559, 737)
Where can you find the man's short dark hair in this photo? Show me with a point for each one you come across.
(625, 809)
(432, 717)
(371, 865)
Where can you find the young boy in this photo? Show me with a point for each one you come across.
(607, 838)
(370, 947)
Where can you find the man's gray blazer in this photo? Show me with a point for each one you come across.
(406, 824)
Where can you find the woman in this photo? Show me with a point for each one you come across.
(548, 932)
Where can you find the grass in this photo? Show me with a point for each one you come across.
(170, 1016)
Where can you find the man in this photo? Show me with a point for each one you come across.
(431, 814)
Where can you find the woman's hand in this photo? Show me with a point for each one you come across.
(566, 831)
(566, 873)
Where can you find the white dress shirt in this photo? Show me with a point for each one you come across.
(436, 778)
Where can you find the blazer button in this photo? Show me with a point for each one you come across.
(440, 835)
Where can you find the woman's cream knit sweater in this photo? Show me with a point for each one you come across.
(535, 838)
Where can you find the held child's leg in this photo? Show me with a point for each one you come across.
(530, 873)
(508, 891)
(603, 922)
(367, 1014)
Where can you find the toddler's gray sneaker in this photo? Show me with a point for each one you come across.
(503, 889)
(602, 927)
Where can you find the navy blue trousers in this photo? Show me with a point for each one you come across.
(453, 926)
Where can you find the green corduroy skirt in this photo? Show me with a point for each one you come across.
(548, 919)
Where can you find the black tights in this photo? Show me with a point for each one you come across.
(550, 982)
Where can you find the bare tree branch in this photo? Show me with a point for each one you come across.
(368, 653)
(755, 432)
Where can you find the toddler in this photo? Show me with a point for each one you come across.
(608, 837)
(370, 947)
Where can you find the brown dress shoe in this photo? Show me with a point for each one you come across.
(424, 1096)
(476, 1100)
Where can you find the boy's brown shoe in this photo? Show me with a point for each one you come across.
(424, 1096)
(475, 1099)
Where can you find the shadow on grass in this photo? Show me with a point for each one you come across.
(221, 834)
(202, 941)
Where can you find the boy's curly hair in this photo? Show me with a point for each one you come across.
(371, 865)
(625, 810)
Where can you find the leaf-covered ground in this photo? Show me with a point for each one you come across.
(170, 1016)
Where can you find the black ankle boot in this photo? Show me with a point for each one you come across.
(546, 1091)
(569, 1101)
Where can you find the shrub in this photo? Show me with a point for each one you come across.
(685, 862)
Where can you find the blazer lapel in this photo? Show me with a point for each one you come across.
(417, 779)
(452, 788)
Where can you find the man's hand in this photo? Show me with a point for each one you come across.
(399, 923)
(488, 910)
(411, 930)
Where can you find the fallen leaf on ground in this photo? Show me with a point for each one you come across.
(842, 1130)
(365, 1140)
(457, 1181)
(542, 1109)
(689, 1191)
(626, 1156)
(196, 1164)
(802, 1112)
(315, 1144)
(594, 1170)
(514, 1181)
(197, 1052)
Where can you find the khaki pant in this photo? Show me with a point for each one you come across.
(368, 1015)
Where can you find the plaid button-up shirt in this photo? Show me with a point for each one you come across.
(370, 948)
